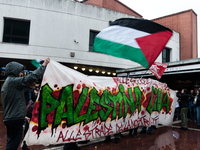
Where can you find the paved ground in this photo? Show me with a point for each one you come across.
(169, 138)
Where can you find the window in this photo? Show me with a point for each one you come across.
(92, 37)
(166, 55)
(16, 31)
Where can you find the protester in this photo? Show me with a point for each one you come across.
(177, 109)
(184, 108)
(13, 100)
(117, 138)
(30, 96)
(198, 106)
(134, 131)
(150, 130)
(192, 107)
(36, 91)
(30, 99)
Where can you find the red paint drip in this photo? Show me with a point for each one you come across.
(78, 86)
(142, 112)
(83, 85)
(86, 128)
(55, 85)
(34, 128)
(148, 88)
(113, 89)
(64, 125)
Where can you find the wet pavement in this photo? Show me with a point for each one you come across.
(167, 138)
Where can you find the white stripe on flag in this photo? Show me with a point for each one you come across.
(122, 35)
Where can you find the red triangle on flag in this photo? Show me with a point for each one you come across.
(151, 45)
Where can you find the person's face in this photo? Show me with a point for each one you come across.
(197, 91)
(182, 91)
(20, 74)
(37, 88)
(192, 91)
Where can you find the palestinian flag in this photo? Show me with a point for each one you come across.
(36, 62)
(138, 40)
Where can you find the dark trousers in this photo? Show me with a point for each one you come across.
(135, 131)
(193, 113)
(117, 135)
(150, 129)
(177, 112)
(14, 133)
(184, 112)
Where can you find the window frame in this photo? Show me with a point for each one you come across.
(167, 52)
(12, 28)
(91, 43)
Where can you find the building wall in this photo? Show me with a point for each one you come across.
(56, 24)
(194, 36)
(114, 5)
(186, 24)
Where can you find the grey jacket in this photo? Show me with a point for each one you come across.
(12, 94)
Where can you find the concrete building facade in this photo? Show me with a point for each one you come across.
(61, 30)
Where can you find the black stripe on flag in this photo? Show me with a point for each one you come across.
(140, 24)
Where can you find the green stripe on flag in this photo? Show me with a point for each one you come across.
(120, 50)
(35, 63)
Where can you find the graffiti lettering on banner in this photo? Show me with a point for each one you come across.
(74, 107)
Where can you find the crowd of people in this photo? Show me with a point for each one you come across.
(187, 106)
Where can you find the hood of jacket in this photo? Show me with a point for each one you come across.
(13, 68)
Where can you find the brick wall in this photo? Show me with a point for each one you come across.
(186, 24)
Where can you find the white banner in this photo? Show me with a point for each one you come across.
(74, 107)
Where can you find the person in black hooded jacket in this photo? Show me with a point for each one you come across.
(13, 100)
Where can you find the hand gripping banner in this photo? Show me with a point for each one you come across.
(73, 107)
